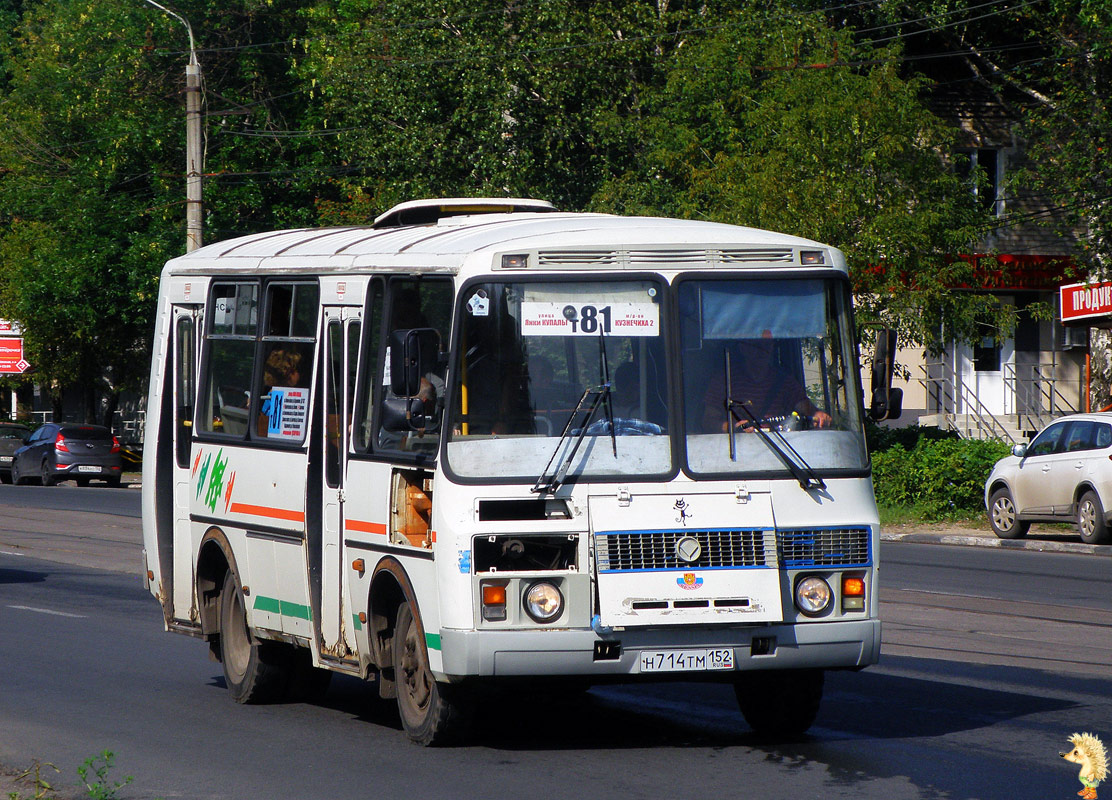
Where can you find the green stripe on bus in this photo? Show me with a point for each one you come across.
(432, 641)
(358, 624)
(272, 605)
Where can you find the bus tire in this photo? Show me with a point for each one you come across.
(780, 704)
(432, 713)
(255, 672)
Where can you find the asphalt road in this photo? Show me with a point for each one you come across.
(991, 659)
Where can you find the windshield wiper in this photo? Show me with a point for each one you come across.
(600, 395)
(796, 464)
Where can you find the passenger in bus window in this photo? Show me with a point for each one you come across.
(770, 392)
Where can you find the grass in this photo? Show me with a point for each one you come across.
(912, 515)
(93, 773)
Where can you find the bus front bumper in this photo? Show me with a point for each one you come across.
(822, 645)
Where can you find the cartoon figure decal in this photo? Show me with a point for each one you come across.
(685, 511)
(1089, 752)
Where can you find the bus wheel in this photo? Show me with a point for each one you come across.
(431, 713)
(780, 704)
(256, 672)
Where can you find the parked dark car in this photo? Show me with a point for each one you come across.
(65, 451)
(12, 438)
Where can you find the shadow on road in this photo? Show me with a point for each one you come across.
(21, 576)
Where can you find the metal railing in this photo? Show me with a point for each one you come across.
(948, 396)
(1038, 400)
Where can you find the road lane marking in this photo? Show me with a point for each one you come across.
(48, 611)
(10, 553)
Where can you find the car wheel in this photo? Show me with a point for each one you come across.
(1090, 519)
(1003, 518)
(48, 478)
(17, 476)
(6, 477)
(113, 482)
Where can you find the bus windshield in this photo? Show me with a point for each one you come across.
(529, 352)
(774, 357)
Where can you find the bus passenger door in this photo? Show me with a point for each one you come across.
(340, 347)
(185, 338)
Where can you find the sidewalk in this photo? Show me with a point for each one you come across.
(1041, 538)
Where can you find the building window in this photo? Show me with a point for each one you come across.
(986, 177)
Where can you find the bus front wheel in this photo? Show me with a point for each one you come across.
(256, 672)
(432, 713)
(780, 704)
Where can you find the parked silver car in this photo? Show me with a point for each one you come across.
(1063, 475)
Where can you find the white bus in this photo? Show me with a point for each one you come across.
(482, 441)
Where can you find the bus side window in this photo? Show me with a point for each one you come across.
(420, 304)
(287, 361)
(230, 355)
(370, 369)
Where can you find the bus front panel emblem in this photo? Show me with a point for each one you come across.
(688, 549)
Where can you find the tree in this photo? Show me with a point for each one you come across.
(446, 97)
(92, 170)
(777, 121)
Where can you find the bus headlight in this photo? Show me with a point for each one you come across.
(813, 595)
(543, 602)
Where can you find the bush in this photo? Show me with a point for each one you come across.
(942, 478)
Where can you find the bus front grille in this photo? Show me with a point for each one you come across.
(623, 551)
(822, 547)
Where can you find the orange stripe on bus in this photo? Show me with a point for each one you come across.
(267, 511)
(365, 527)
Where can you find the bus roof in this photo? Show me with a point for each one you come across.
(552, 239)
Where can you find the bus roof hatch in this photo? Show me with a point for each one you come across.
(427, 212)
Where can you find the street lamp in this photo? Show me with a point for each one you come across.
(194, 157)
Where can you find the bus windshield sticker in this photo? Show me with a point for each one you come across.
(589, 319)
(287, 408)
(479, 304)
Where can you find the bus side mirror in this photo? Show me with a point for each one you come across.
(412, 354)
(403, 414)
(886, 402)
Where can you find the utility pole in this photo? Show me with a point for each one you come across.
(194, 152)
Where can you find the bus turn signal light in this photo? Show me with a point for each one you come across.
(853, 594)
(494, 602)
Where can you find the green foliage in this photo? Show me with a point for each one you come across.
(878, 438)
(941, 478)
(1071, 130)
(779, 121)
(92, 168)
(42, 787)
(94, 775)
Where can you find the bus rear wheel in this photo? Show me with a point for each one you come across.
(432, 713)
(255, 672)
(780, 704)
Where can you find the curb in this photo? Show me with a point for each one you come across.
(974, 540)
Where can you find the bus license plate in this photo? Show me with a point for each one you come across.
(85, 468)
(686, 660)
